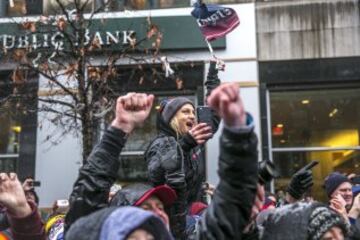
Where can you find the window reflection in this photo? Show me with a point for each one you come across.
(343, 161)
(9, 136)
(10, 130)
(326, 118)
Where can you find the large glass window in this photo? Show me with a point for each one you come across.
(17, 125)
(288, 162)
(318, 125)
(9, 142)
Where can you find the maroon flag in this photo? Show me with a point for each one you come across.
(215, 21)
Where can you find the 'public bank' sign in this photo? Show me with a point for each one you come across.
(179, 33)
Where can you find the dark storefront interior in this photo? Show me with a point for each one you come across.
(312, 115)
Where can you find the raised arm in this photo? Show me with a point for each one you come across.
(24, 219)
(230, 209)
(212, 82)
(96, 176)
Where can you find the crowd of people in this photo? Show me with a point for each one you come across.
(170, 205)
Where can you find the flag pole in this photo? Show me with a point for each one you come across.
(220, 65)
(210, 48)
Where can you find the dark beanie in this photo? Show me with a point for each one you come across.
(333, 181)
(172, 106)
(322, 219)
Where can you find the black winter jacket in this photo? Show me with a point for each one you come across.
(178, 163)
(91, 189)
(230, 209)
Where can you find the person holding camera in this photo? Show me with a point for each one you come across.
(174, 157)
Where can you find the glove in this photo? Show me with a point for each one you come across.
(300, 183)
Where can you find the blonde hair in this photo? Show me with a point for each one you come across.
(174, 124)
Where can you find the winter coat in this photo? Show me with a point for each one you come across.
(230, 209)
(91, 189)
(178, 162)
(117, 223)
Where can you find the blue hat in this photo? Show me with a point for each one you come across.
(333, 181)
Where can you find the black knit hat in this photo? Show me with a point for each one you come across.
(172, 106)
(322, 219)
(333, 181)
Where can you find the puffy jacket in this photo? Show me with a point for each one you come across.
(91, 189)
(188, 177)
(230, 209)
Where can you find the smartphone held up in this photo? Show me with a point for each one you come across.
(204, 115)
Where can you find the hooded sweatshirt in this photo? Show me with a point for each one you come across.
(117, 223)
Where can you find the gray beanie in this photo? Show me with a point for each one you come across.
(173, 106)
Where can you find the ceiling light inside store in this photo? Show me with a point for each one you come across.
(280, 125)
(282, 141)
(16, 129)
(305, 101)
(333, 112)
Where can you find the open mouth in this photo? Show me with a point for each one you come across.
(189, 124)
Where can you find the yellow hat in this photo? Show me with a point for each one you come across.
(53, 220)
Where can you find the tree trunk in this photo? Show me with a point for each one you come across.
(88, 134)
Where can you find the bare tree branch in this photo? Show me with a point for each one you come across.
(54, 80)
(52, 110)
(59, 102)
